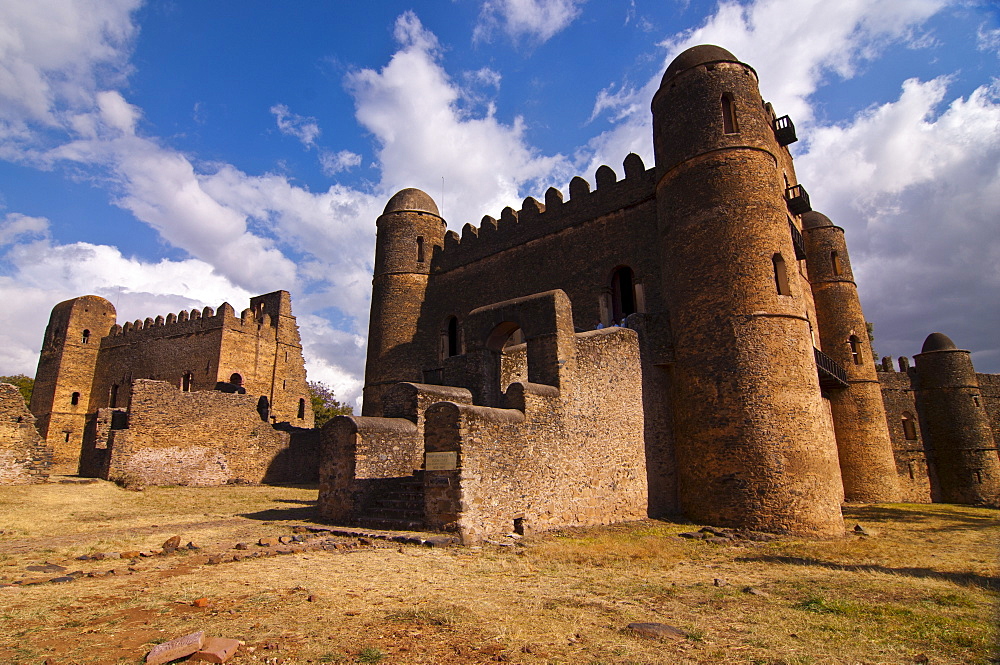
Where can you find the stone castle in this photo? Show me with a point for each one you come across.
(188, 398)
(685, 339)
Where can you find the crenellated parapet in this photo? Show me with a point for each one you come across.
(536, 219)
(187, 322)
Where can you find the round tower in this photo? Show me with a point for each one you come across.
(865, 449)
(66, 366)
(955, 424)
(753, 437)
(409, 229)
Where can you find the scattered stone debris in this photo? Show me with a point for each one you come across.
(719, 582)
(861, 531)
(658, 630)
(305, 538)
(754, 591)
(727, 536)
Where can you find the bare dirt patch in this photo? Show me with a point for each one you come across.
(922, 587)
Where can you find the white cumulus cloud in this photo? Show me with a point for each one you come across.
(537, 20)
(426, 141)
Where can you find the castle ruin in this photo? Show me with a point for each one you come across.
(691, 331)
(99, 413)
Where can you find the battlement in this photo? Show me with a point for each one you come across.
(186, 322)
(535, 219)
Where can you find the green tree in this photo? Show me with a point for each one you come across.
(24, 383)
(324, 404)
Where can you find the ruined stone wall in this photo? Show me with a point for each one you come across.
(358, 451)
(202, 438)
(24, 456)
(355, 453)
(262, 345)
(989, 385)
(559, 457)
(906, 436)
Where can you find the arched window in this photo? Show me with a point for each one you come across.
(86, 336)
(113, 400)
(302, 408)
(622, 294)
(780, 275)
(729, 125)
(420, 249)
(909, 427)
(835, 261)
(186, 382)
(855, 349)
(74, 399)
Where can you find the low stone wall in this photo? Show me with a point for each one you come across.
(25, 458)
(356, 452)
(200, 438)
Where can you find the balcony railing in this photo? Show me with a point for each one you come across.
(784, 130)
(798, 242)
(831, 375)
(797, 199)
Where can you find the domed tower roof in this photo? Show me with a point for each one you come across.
(814, 220)
(938, 342)
(411, 200)
(694, 56)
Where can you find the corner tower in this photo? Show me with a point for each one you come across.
(754, 441)
(65, 376)
(866, 461)
(956, 424)
(409, 229)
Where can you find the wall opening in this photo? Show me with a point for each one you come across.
(729, 125)
(909, 427)
(838, 269)
(186, 381)
(113, 398)
(855, 344)
(86, 336)
(74, 399)
(622, 294)
(236, 379)
(507, 343)
(451, 343)
(302, 408)
(67, 436)
(975, 400)
(420, 249)
(780, 275)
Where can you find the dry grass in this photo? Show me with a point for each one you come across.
(927, 583)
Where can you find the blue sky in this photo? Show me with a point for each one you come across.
(178, 154)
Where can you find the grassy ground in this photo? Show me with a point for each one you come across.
(922, 588)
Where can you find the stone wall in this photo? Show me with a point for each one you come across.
(907, 439)
(560, 457)
(24, 456)
(200, 438)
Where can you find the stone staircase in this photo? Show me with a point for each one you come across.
(399, 505)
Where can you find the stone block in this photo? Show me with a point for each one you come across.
(176, 648)
(217, 650)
